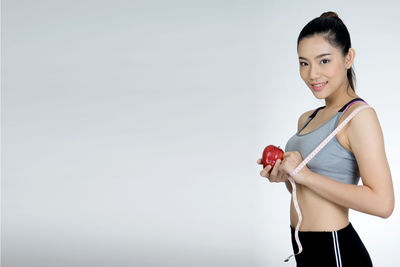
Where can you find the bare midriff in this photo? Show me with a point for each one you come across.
(319, 214)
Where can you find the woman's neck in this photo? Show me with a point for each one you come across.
(339, 98)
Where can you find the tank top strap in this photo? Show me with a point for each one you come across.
(304, 125)
(310, 118)
(315, 112)
(347, 105)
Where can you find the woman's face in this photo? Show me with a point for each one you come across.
(322, 66)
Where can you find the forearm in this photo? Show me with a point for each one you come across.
(358, 197)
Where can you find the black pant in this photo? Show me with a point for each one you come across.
(342, 248)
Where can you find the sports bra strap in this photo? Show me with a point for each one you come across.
(343, 109)
(348, 104)
(315, 112)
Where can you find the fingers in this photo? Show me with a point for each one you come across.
(265, 171)
(274, 172)
(285, 154)
(274, 175)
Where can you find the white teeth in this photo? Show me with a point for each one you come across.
(319, 85)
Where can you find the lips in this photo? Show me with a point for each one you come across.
(318, 86)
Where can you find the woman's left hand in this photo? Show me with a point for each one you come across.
(291, 160)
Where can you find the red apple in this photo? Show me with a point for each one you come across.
(271, 154)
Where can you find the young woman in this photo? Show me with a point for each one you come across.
(327, 187)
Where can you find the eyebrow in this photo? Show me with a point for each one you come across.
(322, 55)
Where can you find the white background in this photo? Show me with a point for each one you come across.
(131, 129)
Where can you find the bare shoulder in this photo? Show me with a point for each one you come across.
(364, 118)
(367, 142)
(364, 129)
(303, 118)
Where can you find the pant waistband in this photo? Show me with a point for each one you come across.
(347, 228)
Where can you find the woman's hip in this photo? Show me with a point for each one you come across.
(331, 248)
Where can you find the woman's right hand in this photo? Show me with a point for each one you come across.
(275, 175)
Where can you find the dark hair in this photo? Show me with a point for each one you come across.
(332, 28)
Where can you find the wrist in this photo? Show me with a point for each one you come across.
(304, 177)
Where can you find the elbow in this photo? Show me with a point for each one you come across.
(387, 210)
(386, 214)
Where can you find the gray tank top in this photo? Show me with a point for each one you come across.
(334, 160)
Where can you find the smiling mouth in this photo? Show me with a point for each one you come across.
(318, 86)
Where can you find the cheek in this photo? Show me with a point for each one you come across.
(302, 73)
(336, 70)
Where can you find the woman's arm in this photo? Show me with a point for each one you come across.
(376, 195)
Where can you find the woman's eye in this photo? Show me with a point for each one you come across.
(301, 63)
(325, 60)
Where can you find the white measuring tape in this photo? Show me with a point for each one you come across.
(303, 163)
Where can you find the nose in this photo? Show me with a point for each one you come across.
(314, 72)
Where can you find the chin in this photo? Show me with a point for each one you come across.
(318, 95)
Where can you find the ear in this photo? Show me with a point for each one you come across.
(350, 58)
